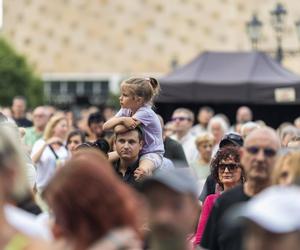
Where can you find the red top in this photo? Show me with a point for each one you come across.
(206, 210)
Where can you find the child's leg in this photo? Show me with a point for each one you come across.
(148, 163)
(145, 169)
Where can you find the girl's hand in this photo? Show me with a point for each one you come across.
(141, 172)
(129, 122)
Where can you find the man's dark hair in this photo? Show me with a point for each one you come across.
(224, 154)
(138, 129)
(207, 109)
(95, 118)
(100, 144)
(76, 132)
(20, 97)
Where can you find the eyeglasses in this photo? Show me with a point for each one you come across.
(38, 115)
(230, 166)
(268, 152)
(180, 118)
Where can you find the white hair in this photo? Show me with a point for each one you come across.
(220, 121)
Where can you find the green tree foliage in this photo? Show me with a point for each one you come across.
(113, 100)
(17, 78)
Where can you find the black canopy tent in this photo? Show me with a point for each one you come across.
(231, 77)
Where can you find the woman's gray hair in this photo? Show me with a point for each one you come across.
(289, 130)
(220, 121)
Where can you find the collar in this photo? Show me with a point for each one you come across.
(130, 168)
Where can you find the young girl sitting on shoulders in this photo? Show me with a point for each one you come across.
(136, 100)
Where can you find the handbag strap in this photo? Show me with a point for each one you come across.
(53, 151)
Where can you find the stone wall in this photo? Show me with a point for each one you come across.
(134, 36)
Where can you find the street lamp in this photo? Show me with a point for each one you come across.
(278, 18)
(253, 28)
(297, 24)
(278, 23)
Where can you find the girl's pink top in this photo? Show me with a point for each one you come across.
(206, 210)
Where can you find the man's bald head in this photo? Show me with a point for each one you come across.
(263, 133)
(258, 155)
(40, 117)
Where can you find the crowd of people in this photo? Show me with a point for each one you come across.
(127, 179)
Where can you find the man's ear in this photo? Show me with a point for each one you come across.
(57, 232)
(141, 143)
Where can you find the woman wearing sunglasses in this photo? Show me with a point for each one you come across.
(227, 171)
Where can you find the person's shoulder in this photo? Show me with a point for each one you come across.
(123, 112)
(147, 109)
(29, 129)
(171, 141)
(25, 121)
(197, 129)
(237, 190)
(25, 222)
(233, 195)
(211, 197)
(189, 139)
(39, 142)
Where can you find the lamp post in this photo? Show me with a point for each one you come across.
(297, 24)
(278, 15)
(278, 21)
(253, 28)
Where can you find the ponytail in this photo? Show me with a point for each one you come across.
(147, 88)
(155, 86)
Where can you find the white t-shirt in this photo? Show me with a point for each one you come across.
(26, 223)
(31, 174)
(46, 165)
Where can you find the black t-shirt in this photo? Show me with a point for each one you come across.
(128, 177)
(216, 235)
(23, 122)
(174, 152)
(208, 188)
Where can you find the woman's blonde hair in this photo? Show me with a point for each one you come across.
(204, 137)
(48, 133)
(292, 159)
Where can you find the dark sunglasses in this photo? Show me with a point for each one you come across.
(231, 167)
(180, 118)
(268, 152)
